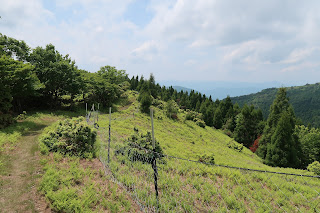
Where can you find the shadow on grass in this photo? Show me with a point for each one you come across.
(22, 127)
(67, 114)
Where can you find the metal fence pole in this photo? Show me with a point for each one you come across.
(98, 112)
(109, 135)
(154, 160)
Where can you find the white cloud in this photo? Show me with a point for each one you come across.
(200, 43)
(299, 54)
(300, 67)
(147, 50)
(245, 40)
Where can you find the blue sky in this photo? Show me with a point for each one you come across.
(186, 40)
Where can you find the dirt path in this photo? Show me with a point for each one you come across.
(18, 188)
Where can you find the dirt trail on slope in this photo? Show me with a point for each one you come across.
(18, 190)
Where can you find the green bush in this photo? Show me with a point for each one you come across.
(206, 158)
(192, 115)
(236, 146)
(137, 146)
(171, 109)
(314, 167)
(200, 122)
(71, 136)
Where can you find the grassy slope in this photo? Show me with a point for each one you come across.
(184, 138)
(187, 140)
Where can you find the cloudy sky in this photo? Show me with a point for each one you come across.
(204, 40)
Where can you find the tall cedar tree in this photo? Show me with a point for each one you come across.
(278, 145)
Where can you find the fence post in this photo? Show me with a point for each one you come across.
(87, 116)
(154, 160)
(98, 112)
(109, 135)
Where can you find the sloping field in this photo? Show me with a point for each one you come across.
(193, 186)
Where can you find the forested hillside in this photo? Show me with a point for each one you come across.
(304, 99)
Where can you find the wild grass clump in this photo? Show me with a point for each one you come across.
(71, 136)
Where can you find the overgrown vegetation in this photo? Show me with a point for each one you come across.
(71, 136)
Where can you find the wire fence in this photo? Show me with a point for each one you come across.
(163, 183)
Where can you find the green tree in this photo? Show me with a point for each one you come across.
(17, 84)
(5, 93)
(310, 143)
(283, 150)
(145, 101)
(280, 104)
(278, 134)
(217, 118)
(112, 75)
(248, 125)
(104, 87)
(56, 72)
(14, 48)
(171, 109)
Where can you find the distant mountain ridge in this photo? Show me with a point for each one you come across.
(184, 89)
(221, 89)
(304, 99)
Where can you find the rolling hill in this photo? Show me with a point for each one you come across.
(304, 99)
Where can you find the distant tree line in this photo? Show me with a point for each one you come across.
(245, 124)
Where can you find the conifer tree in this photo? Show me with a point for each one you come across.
(278, 145)
(217, 118)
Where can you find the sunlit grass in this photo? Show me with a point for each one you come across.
(187, 186)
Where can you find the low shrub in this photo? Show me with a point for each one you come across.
(200, 123)
(137, 148)
(206, 158)
(71, 136)
(192, 115)
(314, 167)
(236, 146)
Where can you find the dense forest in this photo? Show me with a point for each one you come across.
(304, 99)
(42, 78)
